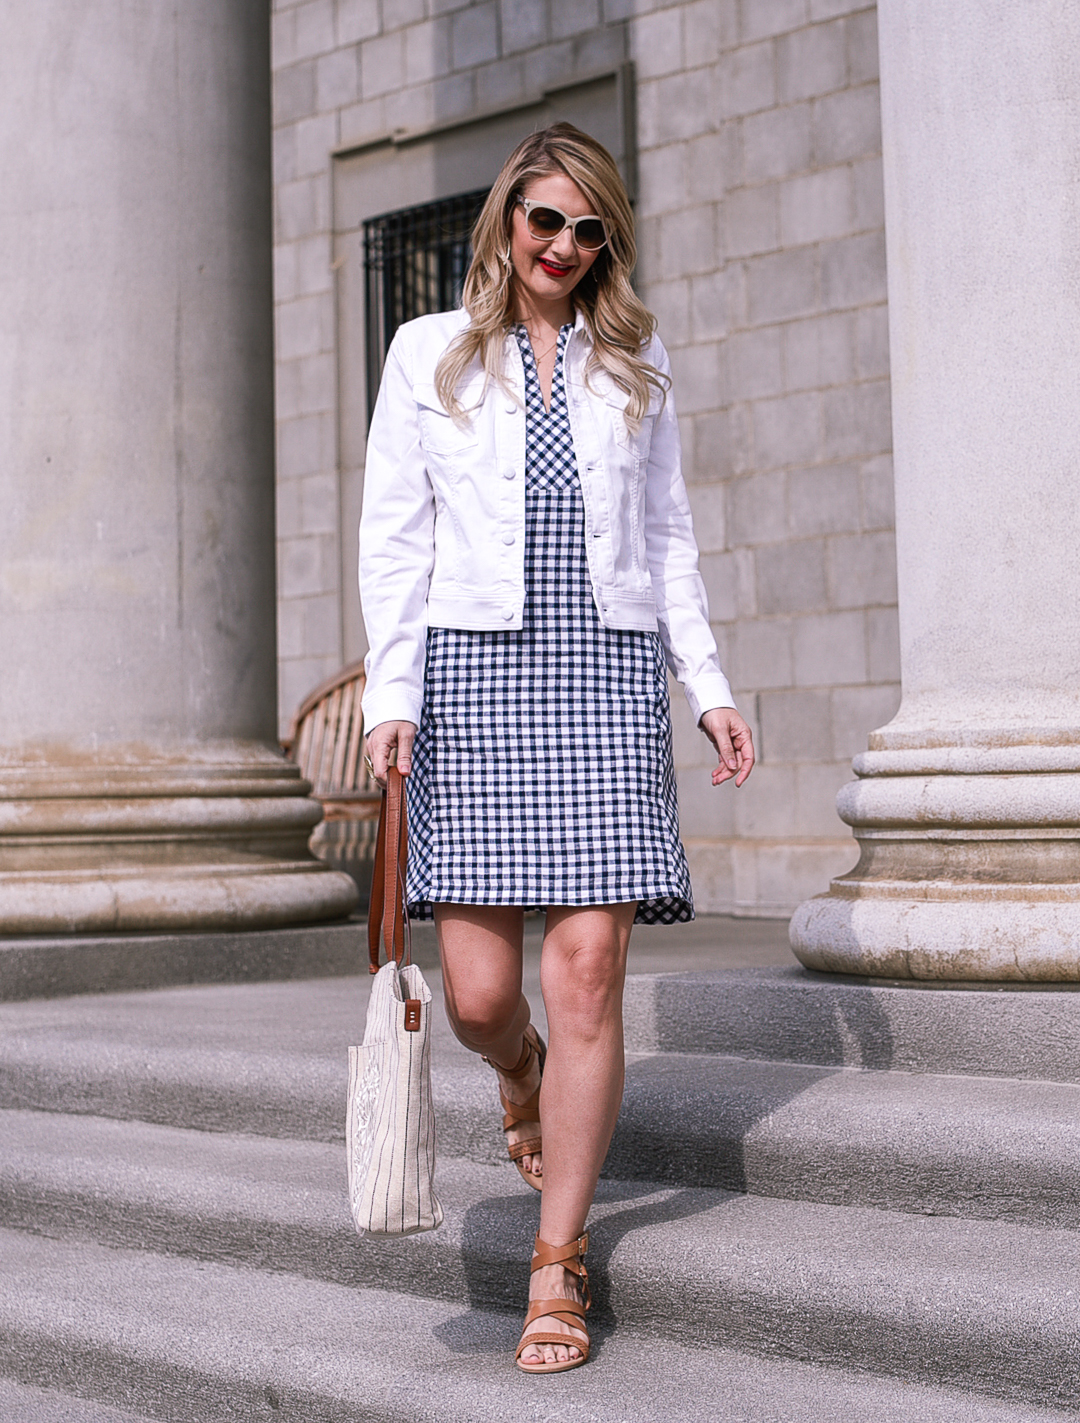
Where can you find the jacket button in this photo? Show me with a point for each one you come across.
(508, 613)
(511, 409)
(508, 538)
(509, 473)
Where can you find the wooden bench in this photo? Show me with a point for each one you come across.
(326, 740)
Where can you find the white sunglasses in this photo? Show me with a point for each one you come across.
(545, 223)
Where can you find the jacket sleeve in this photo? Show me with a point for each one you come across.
(682, 608)
(397, 549)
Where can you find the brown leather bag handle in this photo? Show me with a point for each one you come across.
(388, 924)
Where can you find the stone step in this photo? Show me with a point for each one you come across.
(24, 1403)
(968, 1303)
(182, 1340)
(787, 1014)
(981, 1147)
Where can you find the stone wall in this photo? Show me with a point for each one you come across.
(759, 203)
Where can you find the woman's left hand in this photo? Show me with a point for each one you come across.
(734, 743)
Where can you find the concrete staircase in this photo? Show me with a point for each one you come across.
(824, 1201)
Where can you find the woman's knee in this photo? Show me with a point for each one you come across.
(478, 1018)
(585, 979)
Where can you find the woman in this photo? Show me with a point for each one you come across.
(527, 560)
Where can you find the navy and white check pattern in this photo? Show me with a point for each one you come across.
(542, 772)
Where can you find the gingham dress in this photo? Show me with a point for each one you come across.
(542, 770)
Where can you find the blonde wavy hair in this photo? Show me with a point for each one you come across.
(619, 324)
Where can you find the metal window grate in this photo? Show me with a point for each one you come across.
(415, 262)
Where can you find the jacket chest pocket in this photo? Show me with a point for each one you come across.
(635, 442)
(447, 441)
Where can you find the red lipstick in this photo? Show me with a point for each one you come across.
(554, 269)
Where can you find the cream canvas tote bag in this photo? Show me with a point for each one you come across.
(390, 1122)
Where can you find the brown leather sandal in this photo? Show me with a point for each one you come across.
(515, 1112)
(570, 1311)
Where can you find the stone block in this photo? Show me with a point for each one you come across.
(816, 787)
(500, 84)
(290, 627)
(287, 507)
(283, 39)
(305, 447)
(709, 28)
(670, 304)
(297, 677)
(382, 65)
(883, 644)
(598, 49)
(819, 352)
(746, 582)
(791, 577)
(656, 43)
(415, 108)
(313, 272)
(830, 9)
(398, 13)
(751, 221)
(761, 656)
(322, 627)
(830, 649)
(782, 286)
(294, 92)
(686, 441)
(758, 509)
(796, 726)
(523, 25)
(872, 342)
(712, 163)
(307, 565)
(776, 143)
(755, 363)
(811, 61)
(764, 805)
(698, 376)
(722, 444)
(853, 271)
(856, 420)
(572, 17)
(427, 50)
(474, 35)
(615, 10)
(287, 389)
(746, 80)
(317, 377)
(360, 123)
(862, 569)
(286, 272)
(705, 810)
(785, 875)
(878, 493)
(662, 185)
(717, 302)
(824, 499)
(816, 207)
(303, 208)
(283, 142)
(761, 18)
(304, 327)
(719, 574)
(856, 712)
(847, 125)
(320, 504)
(861, 46)
(676, 107)
(868, 187)
(357, 20)
(787, 430)
(313, 28)
(315, 138)
(711, 874)
(710, 525)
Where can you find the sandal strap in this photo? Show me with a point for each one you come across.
(570, 1311)
(579, 1342)
(571, 1257)
(514, 1112)
(526, 1148)
(531, 1045)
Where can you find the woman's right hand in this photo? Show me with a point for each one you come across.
(382, 740)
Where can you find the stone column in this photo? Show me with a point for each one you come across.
(967, 806)
(141, 786)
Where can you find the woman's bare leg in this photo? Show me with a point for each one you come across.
(480, 946)
(582, 973)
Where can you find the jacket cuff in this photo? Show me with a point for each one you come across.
(389, 704)
(707, 691)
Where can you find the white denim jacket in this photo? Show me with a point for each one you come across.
(442, 533)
